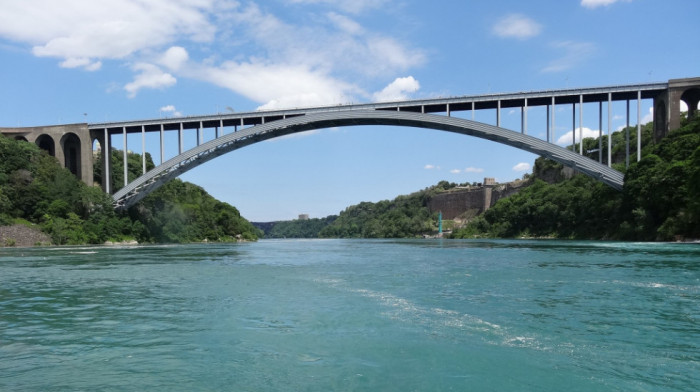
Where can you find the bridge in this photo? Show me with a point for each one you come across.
(72, 144)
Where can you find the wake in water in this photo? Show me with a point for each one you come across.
(436, 320)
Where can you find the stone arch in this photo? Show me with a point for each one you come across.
(691, 97)
(70, 143)
(46, 143)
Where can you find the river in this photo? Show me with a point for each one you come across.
(352, 315)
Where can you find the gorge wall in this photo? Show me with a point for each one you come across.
(472, 200)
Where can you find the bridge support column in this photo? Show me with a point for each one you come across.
(580, 123)
(124, 155)
(609, 129)
(627, 137)
(102, 137)
(523, 118)
(639, 126)
(573, 126)
(600, 132)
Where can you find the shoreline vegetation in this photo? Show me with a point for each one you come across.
(36, 192)
(660, 201)
(44, 204)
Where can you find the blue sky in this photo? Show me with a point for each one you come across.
(86, 61)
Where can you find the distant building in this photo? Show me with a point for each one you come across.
(303, 216)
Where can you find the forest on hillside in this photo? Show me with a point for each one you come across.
(660, 200)
(36, 191)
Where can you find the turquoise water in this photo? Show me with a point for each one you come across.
(352, 315)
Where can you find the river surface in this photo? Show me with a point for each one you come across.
(352, 315)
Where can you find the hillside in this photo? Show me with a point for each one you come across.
(34, 189)
(660, 199)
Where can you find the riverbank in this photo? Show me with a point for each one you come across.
(22, 236)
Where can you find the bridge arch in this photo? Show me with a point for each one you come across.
(691, 97)
(142, 186)
(70, 144)
(46, 143)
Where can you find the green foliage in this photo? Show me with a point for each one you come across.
(403, 217)
(35, 188)
(183, 212)
(309, 228)
(134, 163)
(660, 199)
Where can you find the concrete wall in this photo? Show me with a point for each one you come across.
(667, 106)
(476, 199)
(61, 136)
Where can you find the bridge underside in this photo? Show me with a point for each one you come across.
(142, 186)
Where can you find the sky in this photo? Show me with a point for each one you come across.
(74, 61)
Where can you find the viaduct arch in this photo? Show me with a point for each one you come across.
(139, 188)
(667, 105)
(70, 144)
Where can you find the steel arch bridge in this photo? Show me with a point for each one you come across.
(152, 180)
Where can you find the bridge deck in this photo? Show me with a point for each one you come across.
(433, 105)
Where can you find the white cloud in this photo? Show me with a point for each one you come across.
(81, 33)
(174, 57)
(351, 6)
(599, 3)
(567, 138)
(516, 26)
(575, 53)
(170, 110)
(521, 167)
(277, 86)
(455, 171)
(431, 167)
(398, 90)
(345, 24)
(149, 76)
(86, 63)
(270, 60)
(473, 170)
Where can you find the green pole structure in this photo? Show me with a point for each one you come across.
(440, 222)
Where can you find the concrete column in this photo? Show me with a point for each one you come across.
(523, 120)
(627, 137)
(553, 122)
(180, 140)
(498, 114)
(162, 144)
(573, 126)
(126, 166)
(143, 148)
(639, 125)
(472, 110)
(580, 123)
(448, 110)
(106, 156)
(548, 126)
(609, 129)
(600, 132)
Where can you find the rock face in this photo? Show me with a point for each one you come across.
(473, 200)
(20, 235)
